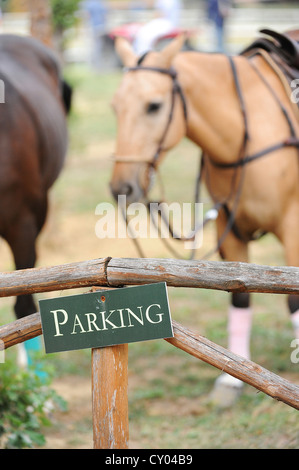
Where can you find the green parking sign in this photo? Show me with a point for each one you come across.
(106, 318)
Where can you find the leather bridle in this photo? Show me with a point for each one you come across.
(176, 90)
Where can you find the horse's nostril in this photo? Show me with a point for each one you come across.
(124, 190)
(127, 190)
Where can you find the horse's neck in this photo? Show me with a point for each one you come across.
(214, 117)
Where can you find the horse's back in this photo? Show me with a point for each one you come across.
(32, 81)
(33, 132)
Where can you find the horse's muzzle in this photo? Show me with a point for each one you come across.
(132, 191)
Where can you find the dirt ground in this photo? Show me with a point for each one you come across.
(72, 429)
(64, 433)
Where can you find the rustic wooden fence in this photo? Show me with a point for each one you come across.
(110, 364)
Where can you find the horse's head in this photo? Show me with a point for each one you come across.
(150, 118)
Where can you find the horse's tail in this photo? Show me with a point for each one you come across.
(67, 94)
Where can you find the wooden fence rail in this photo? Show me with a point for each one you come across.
(194, 344)
(115, 272)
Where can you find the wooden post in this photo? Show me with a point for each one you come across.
(110, 397)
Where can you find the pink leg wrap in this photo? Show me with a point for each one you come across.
(295, 322)
(239, 328)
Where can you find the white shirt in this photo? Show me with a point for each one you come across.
(170, 10)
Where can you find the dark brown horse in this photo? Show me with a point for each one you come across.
(33, 145)
(239, 112)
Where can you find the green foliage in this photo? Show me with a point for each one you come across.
(64, 13)
(25, 407)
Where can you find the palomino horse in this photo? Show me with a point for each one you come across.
(238, 110)
(33, 145)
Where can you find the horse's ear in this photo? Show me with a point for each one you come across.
(125, 52)
(171, 50)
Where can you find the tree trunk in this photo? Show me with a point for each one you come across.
(41, 21)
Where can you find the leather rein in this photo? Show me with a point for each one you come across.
(240, 163)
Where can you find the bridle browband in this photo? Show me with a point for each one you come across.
(240, 163)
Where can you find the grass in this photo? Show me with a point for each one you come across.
(167, 387)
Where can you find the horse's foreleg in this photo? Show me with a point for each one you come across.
(22, 239)
(239, 324)
(228, 388)
(293, 302)
(240, 313)
(289, 238)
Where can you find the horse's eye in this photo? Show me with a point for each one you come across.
(153, 107)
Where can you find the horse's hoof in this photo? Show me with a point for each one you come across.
(226, 392)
